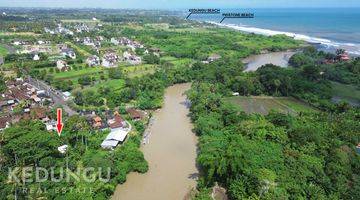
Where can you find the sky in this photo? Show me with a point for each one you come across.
(179, 4)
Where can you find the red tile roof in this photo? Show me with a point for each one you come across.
(118, 122)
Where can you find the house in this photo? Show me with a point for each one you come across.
(1, 60)
(68, 53)
(88, 41)
(132, 58)
(62, 65)
(41, 93)
(51, 125)
(19, 94)
(155, 51)
(62, 30)
(344, 57)
(119, 130)
(114, 138)
(67, 95)
(110, 60)
(36, 57)
(97, 122)
(135, 114)
(126, 42)
(93, 61)
(39, 113)
(62, 149)
(117, 122)
(213, 57)
(35, 98)
(81, 28)
(114, 41)
(4, 122)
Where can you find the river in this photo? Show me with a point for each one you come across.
(277, 58)
(171, 154)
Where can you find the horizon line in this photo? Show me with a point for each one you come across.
(168, 9)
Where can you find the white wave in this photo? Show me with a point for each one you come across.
(350, 47)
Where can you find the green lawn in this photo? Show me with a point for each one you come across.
(78, 49)
(3, 51)
(182, 62)
(264, 104)
(75, 74)
(139, 70)
(114, 84)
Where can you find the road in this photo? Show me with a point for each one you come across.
(54, 94)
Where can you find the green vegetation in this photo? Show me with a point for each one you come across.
(3, 51)
(200, 45)
(294, 152)
(139, 70)
(348, 93)
(2, 83)
(83, 151)
(77, 73)
(310, 155)
(81, 51)
(332, 67)
(263, 104)
(277, 156)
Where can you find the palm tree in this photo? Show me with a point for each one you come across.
(277, 84)
(339, 53)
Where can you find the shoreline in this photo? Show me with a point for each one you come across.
(319, 43)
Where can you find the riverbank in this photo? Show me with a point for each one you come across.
(170, 153)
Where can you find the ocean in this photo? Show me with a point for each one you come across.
(329, 28)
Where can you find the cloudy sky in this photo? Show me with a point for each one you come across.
(178, 4)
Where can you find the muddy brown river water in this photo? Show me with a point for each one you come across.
(171, 154)
(277, 58)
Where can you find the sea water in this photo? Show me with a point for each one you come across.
(330, 28)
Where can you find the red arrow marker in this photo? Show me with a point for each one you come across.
(59, 125)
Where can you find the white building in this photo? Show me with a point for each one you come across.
(132, 58)
(67, 95)
(110, 60)
(61, 65)
(36, 57)
(69, 53)
(93, 60)
(62, 149)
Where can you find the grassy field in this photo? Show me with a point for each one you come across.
(3, 51)
(78, 49)
(139, 70)
(114, 84)
(166, 27)
(348, 93)
(74, 74)
(263, 105)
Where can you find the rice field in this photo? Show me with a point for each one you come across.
(264, 104)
